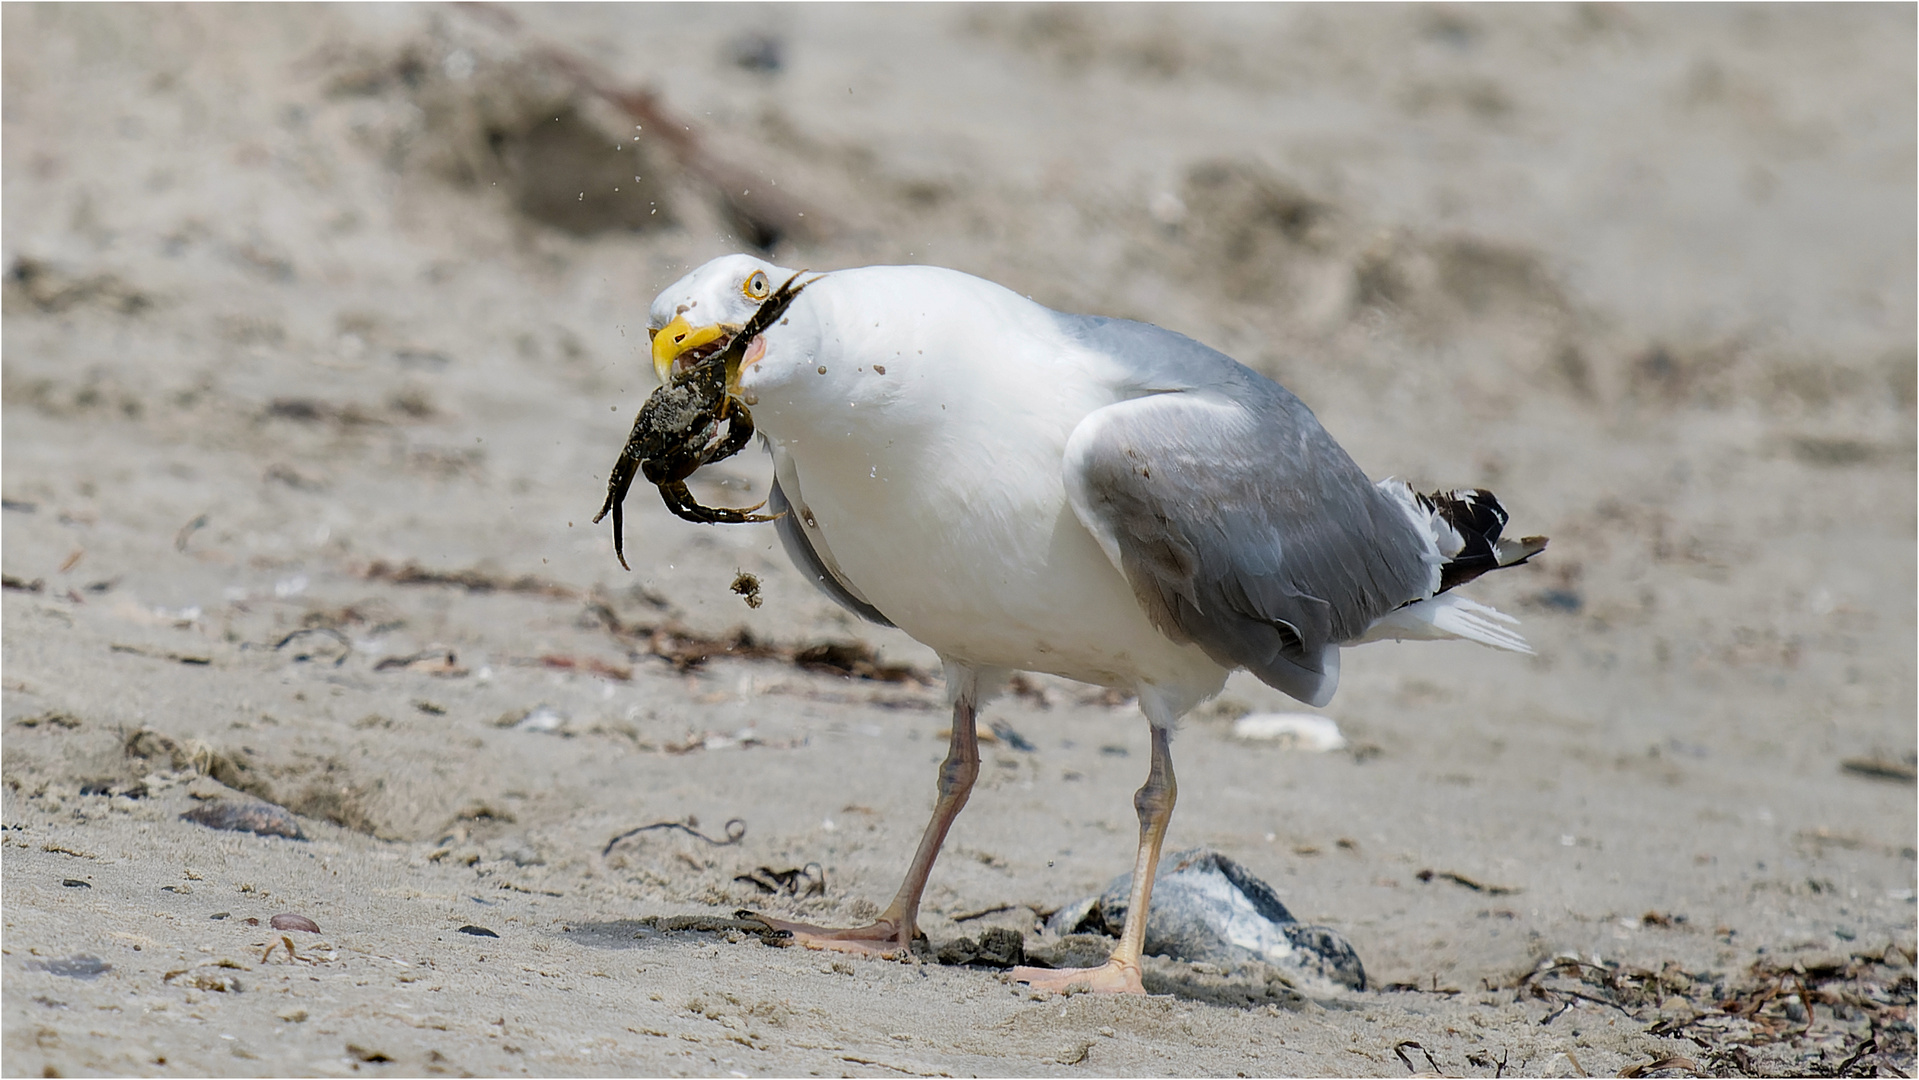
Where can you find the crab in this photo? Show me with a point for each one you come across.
(678, 429)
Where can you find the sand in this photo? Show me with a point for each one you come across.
(318, 348)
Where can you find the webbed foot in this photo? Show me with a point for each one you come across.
(879, 940)
(1112, 977)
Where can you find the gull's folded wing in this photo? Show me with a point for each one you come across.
(1244, 528)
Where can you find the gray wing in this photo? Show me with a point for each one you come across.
(1242, 526)
(799, 548)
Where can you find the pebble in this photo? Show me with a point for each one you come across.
(79, 966)
(259, 818)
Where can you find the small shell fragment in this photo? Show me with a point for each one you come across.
(544, 718)
(290, 921)
(1293, 731)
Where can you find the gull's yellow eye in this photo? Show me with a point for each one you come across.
(756, 287)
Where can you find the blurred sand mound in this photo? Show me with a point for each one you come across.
(478, 112)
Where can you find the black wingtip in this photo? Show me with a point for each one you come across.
(1477, 516)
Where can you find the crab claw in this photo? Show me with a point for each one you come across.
(617, 485)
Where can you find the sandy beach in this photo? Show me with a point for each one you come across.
(324, 324)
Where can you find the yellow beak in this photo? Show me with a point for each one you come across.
(678, 337)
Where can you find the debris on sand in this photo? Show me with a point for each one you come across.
(748, 588)
(305, 651)
(54, 718)
(588, 665)
(1844, 1015)
(1003, 732)
(1471, 883)
(686, 649)
(808, 880)
(53, 290)
(734, 930)
(1882, 768)
(997, 947)
(162, 654)
(472, 580)
(437, 661)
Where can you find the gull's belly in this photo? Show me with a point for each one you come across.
(982, 559)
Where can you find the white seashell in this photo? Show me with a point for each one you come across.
(1294, 731)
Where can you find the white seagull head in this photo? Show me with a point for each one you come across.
(698, 315)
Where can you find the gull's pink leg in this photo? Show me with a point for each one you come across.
(891, 935)
(1120, 974)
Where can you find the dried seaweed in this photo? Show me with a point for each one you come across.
(1819, 1015)
(473, 581)
(808, 880)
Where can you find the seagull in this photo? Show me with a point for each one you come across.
(1104, 500)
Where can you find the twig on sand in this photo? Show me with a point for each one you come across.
(1461, 879)
(982, 913)
(735, 832)
(1399, 1048)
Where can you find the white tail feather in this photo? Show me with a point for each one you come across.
(1447, 615)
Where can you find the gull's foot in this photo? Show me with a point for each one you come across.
(1112, 977)
(881, 940)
